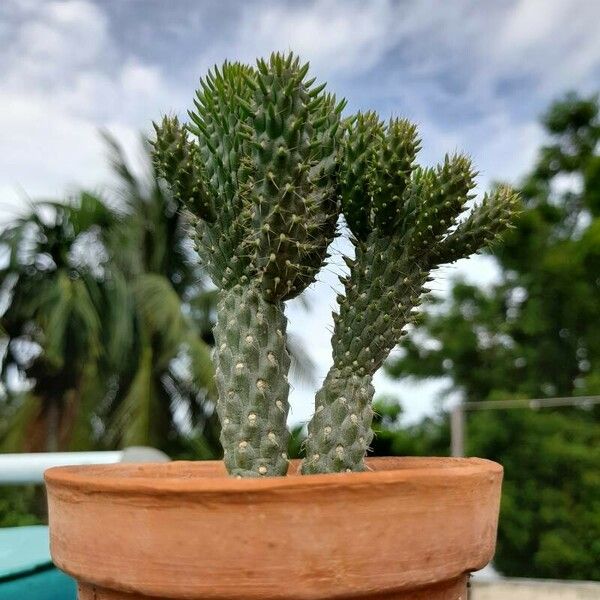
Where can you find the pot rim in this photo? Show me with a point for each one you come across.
(209, 476)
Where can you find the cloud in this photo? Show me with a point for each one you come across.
(52, 45)
(63, 80)
(43, 147)
(556, 41)
(337, 37)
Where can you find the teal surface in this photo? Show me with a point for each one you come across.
(50, 584)
(23, 549)
(26, 569)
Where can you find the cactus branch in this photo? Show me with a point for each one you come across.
(404, 229)
(260, 183)
(251, 363)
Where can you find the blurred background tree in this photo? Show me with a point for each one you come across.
(162, 390)
(534, 334)
(107, 326)
(55, 295)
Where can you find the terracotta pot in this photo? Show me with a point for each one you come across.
(411, 528)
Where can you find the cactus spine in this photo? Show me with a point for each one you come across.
(260, 183)
(405, 222)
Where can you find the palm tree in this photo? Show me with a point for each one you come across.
(107, 325)
(52, 286)
(164, 378)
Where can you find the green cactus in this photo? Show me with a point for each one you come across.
(405, 221)
(262, 181)
(261, 185)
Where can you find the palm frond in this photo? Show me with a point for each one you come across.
(118, 320)
(160, 312)
(119, 164)
(202, 368)
(57, 311)
(131, 424)
(13, 431)
(302, 366)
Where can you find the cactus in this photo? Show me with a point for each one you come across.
(263, 181)
(405, 221)
(260, 183)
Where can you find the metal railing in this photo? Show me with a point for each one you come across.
(458, 413)
(21, 469)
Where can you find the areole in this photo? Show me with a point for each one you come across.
(409, 528)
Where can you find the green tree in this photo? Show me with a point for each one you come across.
(163, 324)
(18, 506)
(107, 325)
(535, 334)
(52, 324)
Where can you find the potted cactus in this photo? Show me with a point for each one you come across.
(265, 165)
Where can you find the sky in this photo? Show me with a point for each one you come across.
(473, 75)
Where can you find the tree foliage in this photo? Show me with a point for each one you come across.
(106, 325)
(162, 320)
(52, 325)
(535, 334)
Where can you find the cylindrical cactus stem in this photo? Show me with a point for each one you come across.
(252, 361)
(262, 186)
(340, 430)
(381, 292)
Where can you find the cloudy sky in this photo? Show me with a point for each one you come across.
(474, 76)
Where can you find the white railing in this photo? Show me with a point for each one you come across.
(21, 469)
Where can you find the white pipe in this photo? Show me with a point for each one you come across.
(20, 469)
(16, 469)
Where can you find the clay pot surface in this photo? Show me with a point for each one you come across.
(410, 528)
